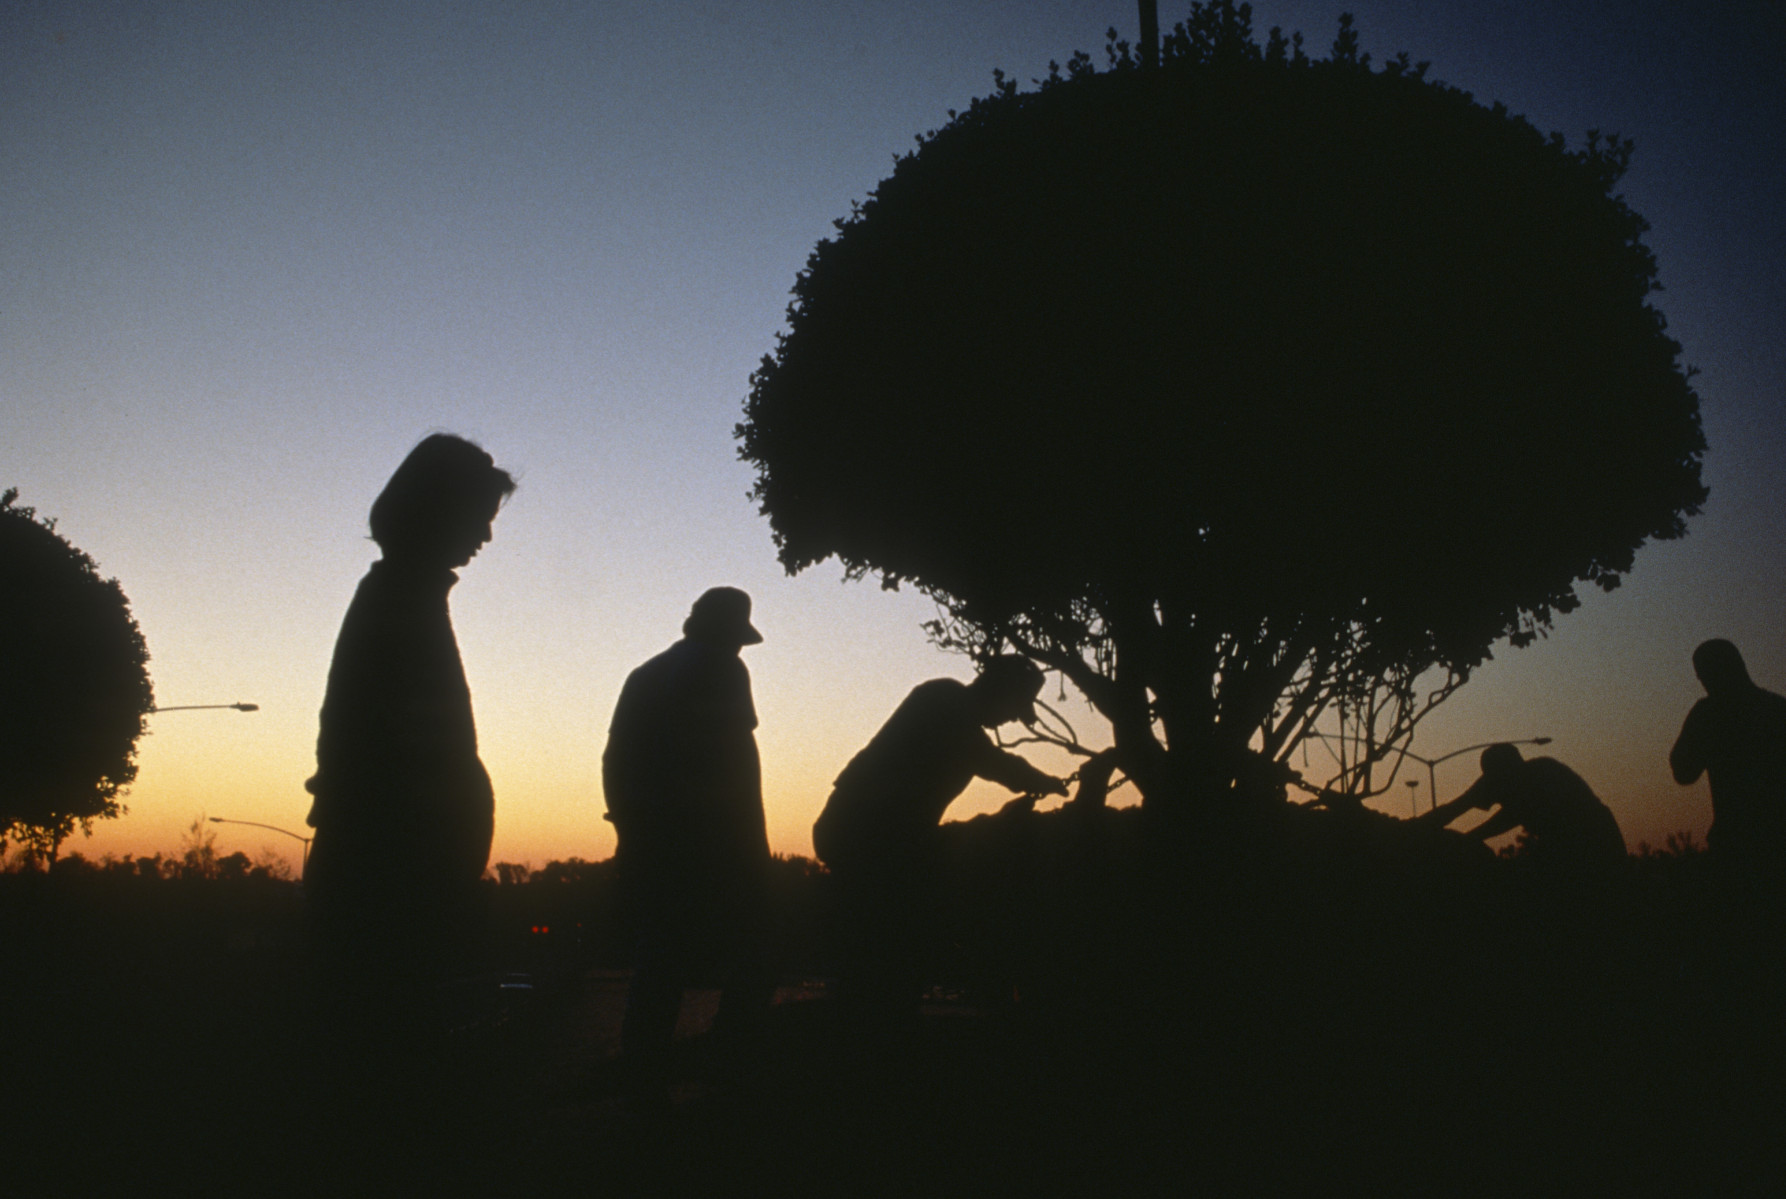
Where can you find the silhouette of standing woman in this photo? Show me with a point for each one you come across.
(404, 810)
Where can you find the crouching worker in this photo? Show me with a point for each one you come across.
(1569, 830)
(878, 832)
(684, 790)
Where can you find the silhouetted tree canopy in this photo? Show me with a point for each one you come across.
(1241, 390)
(74, 684)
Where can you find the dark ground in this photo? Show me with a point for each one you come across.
(1255, 1037)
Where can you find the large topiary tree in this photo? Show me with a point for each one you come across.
(1245, 391)
(74, 684)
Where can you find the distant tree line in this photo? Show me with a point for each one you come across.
(197, 858)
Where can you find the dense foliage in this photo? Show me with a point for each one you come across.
(76, 680)
(1245, 391)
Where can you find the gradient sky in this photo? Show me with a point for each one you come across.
(250, 253)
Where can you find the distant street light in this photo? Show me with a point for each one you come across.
(304, 861)
(1431, 764)
(1432, 775)
(204, 707)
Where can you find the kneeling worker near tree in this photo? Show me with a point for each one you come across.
(1568, 827)
(878, 832)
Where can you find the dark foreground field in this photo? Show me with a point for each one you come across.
(1267, 1024)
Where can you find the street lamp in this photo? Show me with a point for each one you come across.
(1431, 764)
(1432, 774)
(203, 707)
(302, 862)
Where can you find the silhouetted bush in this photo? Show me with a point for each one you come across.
(76, 684)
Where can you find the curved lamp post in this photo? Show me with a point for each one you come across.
(1432, 774)
(203, 707)
(1431, 764)
(304, 861)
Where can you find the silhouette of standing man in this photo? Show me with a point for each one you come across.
(684, 791)
(1737, 735)
(403, 807)
(878, 831)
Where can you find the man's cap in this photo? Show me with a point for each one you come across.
(722, 615)
(1018, 675)
(1719, 665)
(1502, 759)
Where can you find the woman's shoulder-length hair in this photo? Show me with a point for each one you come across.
(444, 478)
